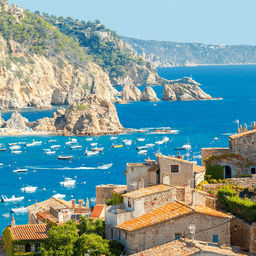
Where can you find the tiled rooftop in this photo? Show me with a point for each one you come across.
(174, 158)
(186, 248)
(97, 210)
(198, 168)
(167, 212)
(29, 232)
(120, 189)
(146, 191)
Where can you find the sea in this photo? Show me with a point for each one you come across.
(199, 123)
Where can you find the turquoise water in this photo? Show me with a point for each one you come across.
(197, 121)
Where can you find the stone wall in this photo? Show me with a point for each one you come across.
(104, 192)
(206, 152)
(165, 232)
(201, 198)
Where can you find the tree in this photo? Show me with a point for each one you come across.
(61, 240)
(93, 244)
(90, 226)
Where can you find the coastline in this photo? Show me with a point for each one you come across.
(201, 65)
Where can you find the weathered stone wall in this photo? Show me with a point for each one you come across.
(206, 152)
(104, 192)
(165, 232)
(201, 198)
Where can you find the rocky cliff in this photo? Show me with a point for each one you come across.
(131, 93)
(148, 94)
(93, 116)
(169, 54)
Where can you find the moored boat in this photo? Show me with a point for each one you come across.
(13, 198)
(117, 146)
(29, 189)
(91, 153)
(20, 210)
(68, 182)
(20, 170)
(61, 157)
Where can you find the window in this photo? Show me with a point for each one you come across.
(215, 238)
(75, 217)
(112, 233)
(174, 168)
(37, 246)
(27, 248)
(119, 235)
(129, 203)
(253, 170)
(177, 236)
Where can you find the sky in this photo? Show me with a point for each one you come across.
(205, 21)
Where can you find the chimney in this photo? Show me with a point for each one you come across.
(80, 201)
(87, 203)
(73, 202)
(13, 222)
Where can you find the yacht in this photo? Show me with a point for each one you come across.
(20, 170)
(20, 210)
(68, 182)
(29, 189)
(59, 196)
(13, 198)
(91, 153)
(16, 152)
(76, 147)
(65, 157)
(98, 149)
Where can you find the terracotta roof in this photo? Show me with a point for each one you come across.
(29, 232)
(184, 247)
(147, 191)
(120, 189)
(167, 212)
(242, 134)
(210, 211)
(97, 210)
(198, 168)
(174, 158)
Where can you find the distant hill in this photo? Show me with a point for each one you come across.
(166, 54)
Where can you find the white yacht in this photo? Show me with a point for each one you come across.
(68, 182)
(13, 198)
(29, 189)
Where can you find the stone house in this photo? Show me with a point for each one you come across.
(57, 211)
(171, 221)
(24, 238)
(238, 159)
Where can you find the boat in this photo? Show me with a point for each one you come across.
(64, 157)
(150, 145)
(166, 139)
(22, 143)
(55, 146)
(140, 139)
(29, 189)
(6, 215)
(97, 149)
(142, 147)
(127, 142)
(76, 147)
(13, 198)
(142, 152)
(68, 182)
(20, 170)
(16, 152)
(105, 166)
(50, 141)
(117, 146)
(89, 139)
(160, 142)
(20, 210)
(34, 143)
(3, 149)
(113, 138)
(1, 164)
(59, 196)
(94, 144)
(12, 144)
(187, 146)
(50, 152)
(91, 153)
(15, 147)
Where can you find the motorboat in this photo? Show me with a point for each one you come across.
(166, 139)
(68, 182)
(15, 147)
(59, 196)
(20, 170)
(3, 149)
(94, 144)
(117, 146)
(160, 142)
(29, 189)
(22, 143)
(150, 145)
(13, 198)
(64, 157)
(142, 152)
(140, 139)
(89, 139)
(91, 153)
(55, 146)
(20, 210)
(50, 152)
(113, 138)
(127, 142)
(6, 215)
(16, 152)
(1, 164)
(97, 149)
(34, 143)
(12, 144)
(50, 141)
(76, 147)
(186, 146)
(105, 166)
(142, 147)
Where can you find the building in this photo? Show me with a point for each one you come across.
(171, 221)
(239, 158)
(98, 212)
(186, 247)
(24, 238)
(16, 11)
(57, 211)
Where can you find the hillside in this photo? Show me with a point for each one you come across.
(167, 54)
(40, 66)
(104, 47)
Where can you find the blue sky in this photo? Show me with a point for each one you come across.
(205, 21)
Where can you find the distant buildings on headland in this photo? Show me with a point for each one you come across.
(13, 9)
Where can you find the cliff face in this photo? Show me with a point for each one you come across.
(169, 54)
(93, 116)
(30, 80)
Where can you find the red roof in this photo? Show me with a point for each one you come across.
(29, 232)
(97, 210)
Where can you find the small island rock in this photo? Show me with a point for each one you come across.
(148, 94)
(131, 92)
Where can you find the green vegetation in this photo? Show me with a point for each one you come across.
(116, 199)
(40, 37)
(229, 201)
(82, 107)
(86, 237)
(101, 44)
